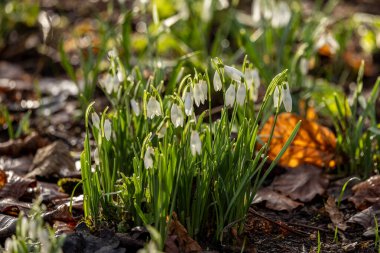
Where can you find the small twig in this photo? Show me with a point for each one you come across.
(254, 212)
(309, 226)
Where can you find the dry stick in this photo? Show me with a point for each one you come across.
(308, 226)
(295, 231)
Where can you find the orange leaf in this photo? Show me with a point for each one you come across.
(314, 144)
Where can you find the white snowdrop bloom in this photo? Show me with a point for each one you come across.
(96, 156)
(107, 129)
(176, 116)
(233, 73)
(161, 133)
(95, 119)
(217, 82)
(276, 97)
(203, 85)
(267, 8)
(230, 96)
(195, 143)
(24, 226)
(112, 53)
(153, 108)
(32, 233)
(135, 107)
(45, 22)
(44, 239)
(9, 245)
(188, 101)
(148, 160)
(329, 41)
(199, 93)
(240, 94)
(281, 15)
(304, 66)
(253, 83)
(286, 97)
(120, 75)
(109, 83)
(256, 11)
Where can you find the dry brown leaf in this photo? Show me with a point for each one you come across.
(336, 216)
(366, 193)
(366, 218)
(275, 201)
(13, 207)
(186, 243)
(16, 186)
(7, 226)
(23, 146)
(314, 144)
(302, 184)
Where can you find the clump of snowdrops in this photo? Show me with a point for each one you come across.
(155, 155)
(33, 235)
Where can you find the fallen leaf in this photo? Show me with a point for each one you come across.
(16, 186)
(186, 243)
(366, 218)
(50, 192)
(275, 201)
(336, 216)
(13, 207)
(7, 226)
(52, 160)
(314, 144)
(23, 146)
(61, 213)
(366, 193)
(19, 165)
(302, 184)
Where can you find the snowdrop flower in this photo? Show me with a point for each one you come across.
(176, 116)
(96, 156)
(188, 101)
(281, 15)
(32, 229)
(161, 133)
(45, 22)
(195, 143)
(135, 107)
(240, 94)
(230, 96)
(284, 97)
(109, 83)
(253, 81)
(327, 41)
(287, 98)
(148, 160)
(200, 93)
(233, 73)
(217, 82)
(112, 53)
(107, 129)
(95, 119)
(262, 9)
(153, 108)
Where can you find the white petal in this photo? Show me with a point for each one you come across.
(276, 97)
(233, 73)
(281, 15)
(287, 98)
(217, 82)
(198, 94)
(176, 116)
(188, 103)
(203, 85)
(240, 95)
(148, 160)
(135, 107)
(256, 11)
(153, 108)
(95, 119)
(230, 96)
(195, 143)
(107, 129)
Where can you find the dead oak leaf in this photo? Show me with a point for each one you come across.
(186, 243)
(336, 216)
(302, 184)
(366, 218)
(16, 186)
(314, 144)
(275, 201)
(3, 178)
(366, 193)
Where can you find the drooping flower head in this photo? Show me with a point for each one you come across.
(176, 116)
(153, 108)
(195, 143)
